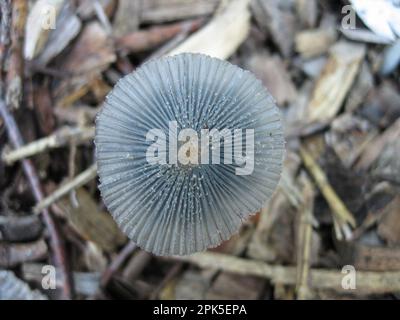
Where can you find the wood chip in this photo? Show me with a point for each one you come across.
(363, 84)
(381, 106)
(349, 136)
(375, 148)
(36, 36)
(93, 51)
(274, 75)
(391, 59)
(68, 26)
(335, 81)
(192, 285)
(92, 224)
(389, 226)
(86, 283)
(314, 42)
(373, 258)
(136, 265)
(43, 105)
(279, 23)
(266, 242)
(222, 35)
(307, 10)
(150, 38)
(13, 254)
(127, 17)
(156, 11)
(364, 35)
(13, 288)
(86, 8)
(312, 67)
(388, 164)
(20, 228)
(235, 287)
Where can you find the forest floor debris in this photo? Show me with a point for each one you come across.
(338, 200)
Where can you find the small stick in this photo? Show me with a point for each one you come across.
(290, 190)
(136, 265)
(366, 281)
(72, 170)
(77, 182)
(305, 240)
(14, 92)
(341, 214)
(172, 273)
(5, 8)
(117, 263)
(58, 139)
(15, 63)
(30, 172)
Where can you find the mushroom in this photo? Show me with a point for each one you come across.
(187, 147)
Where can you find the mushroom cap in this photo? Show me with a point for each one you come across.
(170, 209)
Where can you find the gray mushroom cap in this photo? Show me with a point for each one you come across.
(170, 209)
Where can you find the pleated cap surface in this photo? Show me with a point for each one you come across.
(181, 209)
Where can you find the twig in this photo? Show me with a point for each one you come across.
(71, 170)
(30, 172)
(366, 281)
(172, 273)
(341, 215)
(19, 15)
(136, 265)
(304, 242)
(117, 263)
(77, 182)
(5, 8)
(290, 190)
(58, 139)
(16, 62)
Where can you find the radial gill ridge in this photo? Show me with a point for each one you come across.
(179, 207)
